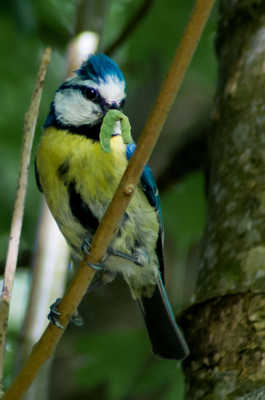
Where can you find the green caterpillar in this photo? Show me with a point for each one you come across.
(107, 127)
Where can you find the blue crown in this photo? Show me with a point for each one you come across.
(99, 67)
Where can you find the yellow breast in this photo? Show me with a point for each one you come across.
(64, 159)
(92, 170)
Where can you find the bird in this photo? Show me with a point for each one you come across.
(79, 179)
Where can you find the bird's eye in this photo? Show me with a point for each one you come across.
(90, 93)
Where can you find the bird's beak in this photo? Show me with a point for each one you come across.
(112, 106)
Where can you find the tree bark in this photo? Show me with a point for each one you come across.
(226, 327)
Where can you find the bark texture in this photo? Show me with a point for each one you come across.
(226, 328)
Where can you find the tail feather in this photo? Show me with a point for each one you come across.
(165, 336)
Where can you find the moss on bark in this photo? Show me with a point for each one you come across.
(226, 328)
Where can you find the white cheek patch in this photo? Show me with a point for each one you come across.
(112, 90)
(72, 108)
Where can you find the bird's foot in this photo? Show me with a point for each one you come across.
(142, 256)
(86, 246)
(137, 258)
(97, 267)
(54, 316)
(77, 319)
(132, 258)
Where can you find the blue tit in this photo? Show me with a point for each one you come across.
(79, 179)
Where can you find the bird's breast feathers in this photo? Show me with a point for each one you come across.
(63, 158)
(67, 162)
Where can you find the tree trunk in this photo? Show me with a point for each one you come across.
(226, 327)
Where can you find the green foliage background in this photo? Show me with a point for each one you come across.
(112, 361)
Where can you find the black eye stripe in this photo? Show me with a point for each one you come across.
(84, 90)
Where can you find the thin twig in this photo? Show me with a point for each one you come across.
(49, 274)
(16, 225)
(78, 287)
(131, 25)
(51, 253)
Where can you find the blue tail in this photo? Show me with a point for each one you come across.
(165, 336)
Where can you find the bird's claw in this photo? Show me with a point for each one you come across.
(86, 246)
(96, 267)
(120, 254)
(135, 258)
(54, 316)
(77, 319)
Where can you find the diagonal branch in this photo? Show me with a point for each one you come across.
(16, 225)
(78, 287)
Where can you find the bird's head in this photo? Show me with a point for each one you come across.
(84, 99)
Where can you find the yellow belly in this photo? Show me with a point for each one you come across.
(96, 175)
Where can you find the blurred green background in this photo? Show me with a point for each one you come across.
(109, 358)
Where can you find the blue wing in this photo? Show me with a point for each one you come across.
(165, 335)
(150, 189)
